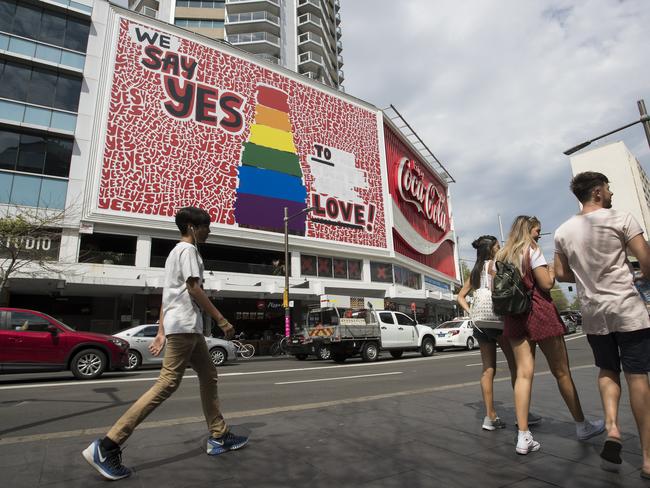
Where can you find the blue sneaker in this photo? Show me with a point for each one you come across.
(227, 442)
(107, 463)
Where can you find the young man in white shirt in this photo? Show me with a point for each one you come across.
(590, 250)
(181, 327)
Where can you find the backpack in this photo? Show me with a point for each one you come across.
(509, 294)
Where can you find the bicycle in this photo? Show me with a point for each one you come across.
(246, 351)
(279, 347)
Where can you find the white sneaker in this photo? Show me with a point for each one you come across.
(526, 443)
(588, 429)
(489, 424)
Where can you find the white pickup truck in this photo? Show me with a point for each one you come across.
(366, 332)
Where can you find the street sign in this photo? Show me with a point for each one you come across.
(413, 307)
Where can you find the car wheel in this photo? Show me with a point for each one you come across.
(339, 358)
(218, 355)
(370, 352)
(324, 352)
(88, 364)
(135, 361)
(301, 357)
(428, 346)
(470, 343)
(396, 354)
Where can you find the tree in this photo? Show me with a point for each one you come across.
(29, 244)
(559, 298)
(575, 304)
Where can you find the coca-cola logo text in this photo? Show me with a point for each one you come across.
(414, 188)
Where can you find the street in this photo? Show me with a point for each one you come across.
(413, 421)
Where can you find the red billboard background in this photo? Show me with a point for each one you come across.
(421, 198)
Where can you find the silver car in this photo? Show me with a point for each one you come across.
(140, 336)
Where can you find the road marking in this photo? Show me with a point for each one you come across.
(337, 378)
(565, 340)
(253, 413)
(226, 375)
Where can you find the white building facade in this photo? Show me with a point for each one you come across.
(627, 178)
(166, 118)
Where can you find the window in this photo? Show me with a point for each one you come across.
(150, 331)
(354, 269)
(201, 3)
(42, 24)
(28, 322)
(31, 157)
(340, 268)
(200, 23)
(35, 153)
(381, 272)
(8, 149)
(404, 319)
(108, 249)
(325, 267)
(39, 86)
(386, 317)
(307, 265)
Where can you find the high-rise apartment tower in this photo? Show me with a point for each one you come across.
(301, 35)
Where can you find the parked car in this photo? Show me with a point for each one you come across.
(32, 341)
(570, 326)
(140, 336)
(455, 333)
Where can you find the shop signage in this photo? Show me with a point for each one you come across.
(31, 247)
(414, 187)
(433, 284)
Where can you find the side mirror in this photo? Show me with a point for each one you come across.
(52, 329)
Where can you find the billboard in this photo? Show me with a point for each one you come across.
(192, 124)
(422, 221)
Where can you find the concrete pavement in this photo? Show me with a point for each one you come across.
(424, 437)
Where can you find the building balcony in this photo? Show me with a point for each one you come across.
(243, 6)
(247, 21)
(310, 6)
(341, 75)
(339, 60)
(312, 42)
(337, 18)
(269, 57)
(256, 42)
(311, 61)
(339, 46)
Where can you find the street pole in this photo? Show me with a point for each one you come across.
(285, 298)
(500, 228)
(644, 120)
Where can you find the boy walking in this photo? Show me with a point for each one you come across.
(590, 250)
(181, 326)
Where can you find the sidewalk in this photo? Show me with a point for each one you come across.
(425, 439)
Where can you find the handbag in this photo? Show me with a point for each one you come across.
(481, 310)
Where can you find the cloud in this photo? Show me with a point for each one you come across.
(498, 89)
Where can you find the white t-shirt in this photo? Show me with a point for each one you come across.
(181, 315)
(536, 257)
(595, 247)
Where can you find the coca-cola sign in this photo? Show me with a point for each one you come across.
(414, 187)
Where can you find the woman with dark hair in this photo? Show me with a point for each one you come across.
(487, 326)
(540, 325)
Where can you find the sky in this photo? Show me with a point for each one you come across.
(498, 89)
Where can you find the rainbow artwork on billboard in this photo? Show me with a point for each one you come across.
(270, 177)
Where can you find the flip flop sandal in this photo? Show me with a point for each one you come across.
(610, 456)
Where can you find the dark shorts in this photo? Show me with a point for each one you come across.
(629, 349)
(487, 336)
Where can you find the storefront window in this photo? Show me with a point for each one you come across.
(354, 269)
(406, 277)
(381, 272)
(340, 268)
(324, 267)
(307, 265)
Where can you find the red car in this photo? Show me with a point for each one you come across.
(32, 341)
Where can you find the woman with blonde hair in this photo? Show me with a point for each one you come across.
(540, 325)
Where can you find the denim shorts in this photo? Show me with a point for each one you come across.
(486, 336)
(629, 349)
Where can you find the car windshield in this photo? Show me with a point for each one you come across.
(449, 325)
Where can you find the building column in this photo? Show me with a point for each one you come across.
(295, 264)
(143, 252)
(69, 247)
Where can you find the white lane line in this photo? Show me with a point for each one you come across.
(338, 378)
(575, 337)
(225, 375)
(255, 413)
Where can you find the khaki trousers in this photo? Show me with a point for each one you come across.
(181, 350)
